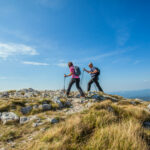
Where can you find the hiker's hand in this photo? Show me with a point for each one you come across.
(84, 69)
(65, 75)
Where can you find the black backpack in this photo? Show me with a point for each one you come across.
(77, 71)
(99, 72)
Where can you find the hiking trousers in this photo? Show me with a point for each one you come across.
(94, 80)
(77, 81)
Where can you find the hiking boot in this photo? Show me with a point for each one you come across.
(68, 96)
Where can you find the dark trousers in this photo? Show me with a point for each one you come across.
(77, 81)
(94, 80)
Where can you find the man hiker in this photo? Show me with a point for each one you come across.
(95, 72)
(75, 73)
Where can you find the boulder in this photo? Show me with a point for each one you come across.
(26, 110)
(36, 124)
(18, 94)
(97, 97)
(27, 90)
(110, 97)
(57, 100)
(148, 106)
(24, 120)
(4, 95)
(30, 90)
(28, 95)
(44, 95)
(45, 107)
(53, 120)
(9, 117)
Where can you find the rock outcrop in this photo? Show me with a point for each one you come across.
(9, 117)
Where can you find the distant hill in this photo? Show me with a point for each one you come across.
(141, 94)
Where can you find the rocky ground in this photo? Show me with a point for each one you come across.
(26, 113)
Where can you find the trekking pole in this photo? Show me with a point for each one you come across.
(82, 77)
(64, 83)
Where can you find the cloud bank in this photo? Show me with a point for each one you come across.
(35, 63)
(12, 49)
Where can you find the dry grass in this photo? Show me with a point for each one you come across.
(98, 129)
(105, 126)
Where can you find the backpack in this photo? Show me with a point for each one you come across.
(77, 71)
(98, 73)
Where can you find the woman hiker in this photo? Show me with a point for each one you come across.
(75, 73)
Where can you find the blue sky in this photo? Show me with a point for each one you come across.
(38, 38)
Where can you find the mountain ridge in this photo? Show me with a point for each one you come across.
(35, 120)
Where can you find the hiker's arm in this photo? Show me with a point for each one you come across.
(86, 70)
(68, 75)
(95, 71)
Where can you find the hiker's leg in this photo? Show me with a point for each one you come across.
(89, 85)
(78, 87)
(97, 84)
(72, 81)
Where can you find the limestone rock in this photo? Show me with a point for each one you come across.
(28, 95)
(98, 97)
(4, 95)
(36, 124)
(110, 97)
(148, 106)
(57, 100)
(45, 107)
(44, 95)
(9, 117)
(26, 110)
(24, 120)
(53, 120)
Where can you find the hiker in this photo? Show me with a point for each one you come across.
(95, 72)
(75, 73)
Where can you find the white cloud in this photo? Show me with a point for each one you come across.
(105, 55)
(62, 64)
(35, 63)
(11, 49)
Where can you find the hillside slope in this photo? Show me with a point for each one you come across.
(47, 120)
